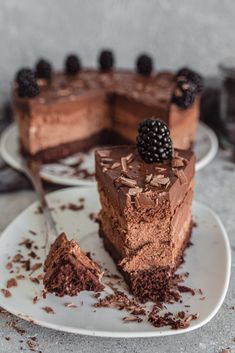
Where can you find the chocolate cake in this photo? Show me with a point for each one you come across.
(60, 113)
(68, 270)
(146, 208)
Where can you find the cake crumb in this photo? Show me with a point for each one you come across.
(48, 310)
(70, 305)
(132, 319)
(6, 293)
(11, 283)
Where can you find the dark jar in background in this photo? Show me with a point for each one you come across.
(227, 99)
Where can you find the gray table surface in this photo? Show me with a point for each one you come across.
(215, 187)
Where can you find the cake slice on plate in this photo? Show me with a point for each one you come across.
(146, 196)
(68, 270)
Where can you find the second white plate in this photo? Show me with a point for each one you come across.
(67, 171)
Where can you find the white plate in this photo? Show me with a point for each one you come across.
(208, 261)
(62, 173)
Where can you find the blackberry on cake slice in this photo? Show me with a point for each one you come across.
(68, 270)
(146, 208)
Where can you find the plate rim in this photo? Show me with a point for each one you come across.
(214, 147)
(11, 161)
(137, 334)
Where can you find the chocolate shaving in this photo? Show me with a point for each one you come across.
(160, 169)
(132, 319)
(159, 180)
(106, 160)
(34, 280)
(35, 267)
(184, 289)
(124, 164)
(11, 283)
(26, 264)
(20, 277)
(32, 254)
(28, 243)
(115, 165)
(134, 191)
(181, 175)
(121, 302)
(103, 153)
(148, 178)
(130, 158)
(9, 266)
(13, 325)
(48, 310)
(126, 181)
(6, 293)
(72, 207)
(17, 258)
(70, 305)
(179, 321)
(32, 344)
(177, 163)
(35, 299)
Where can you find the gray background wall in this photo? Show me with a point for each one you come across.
(195, 32)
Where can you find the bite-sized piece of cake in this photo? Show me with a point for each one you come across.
(68, 270)
(146, 208)
(60, 113)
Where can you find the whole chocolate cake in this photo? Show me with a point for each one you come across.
(146, 196)
(60, 113)
(68, 270)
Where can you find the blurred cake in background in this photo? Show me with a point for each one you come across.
(60, 113)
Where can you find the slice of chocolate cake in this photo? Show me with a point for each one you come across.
(146, 216)
(68, 270)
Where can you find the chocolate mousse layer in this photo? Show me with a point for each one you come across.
(68, 270)
(72, 113)
(146, 215)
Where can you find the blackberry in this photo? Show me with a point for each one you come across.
(28, 88)
(43, 69)
(184, 94)
(106, 60)
(153, 141)
(23, 74)
(144, 65)
(72, 65)
(192, 76)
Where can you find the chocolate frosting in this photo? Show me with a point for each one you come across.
(173, 187)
